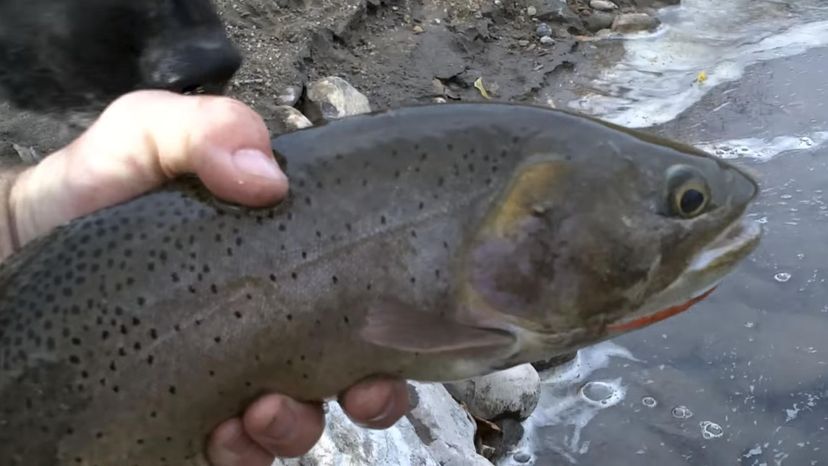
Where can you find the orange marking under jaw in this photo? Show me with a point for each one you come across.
(658, 316)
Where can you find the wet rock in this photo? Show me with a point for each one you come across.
(603, 5)
(554, 361)
(543, 29)
(284, 119)
(634, 22)
(510, 393)
(436, 432)
(603, 34)
(289, 96)
(512, 434)
(331, 98)
(599, 20)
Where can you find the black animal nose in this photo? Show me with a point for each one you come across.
(203, 65)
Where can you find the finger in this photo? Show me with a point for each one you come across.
(377, 402)
(284, 427)
(229, 445)
(140, 141)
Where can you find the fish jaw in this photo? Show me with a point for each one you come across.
(701, 277)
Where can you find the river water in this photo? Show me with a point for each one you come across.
(742, 378)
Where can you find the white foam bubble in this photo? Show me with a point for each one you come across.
(710, 430)
(570, 398)
(764, 149)
(656, 78)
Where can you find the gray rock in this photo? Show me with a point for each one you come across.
(512, 392)
(331, 98)
(634, 22)
(543, 29)
(555, 11)
(599, 20)
(289, 96)
(436, 432)
(546, 40)
(28, 155)
(603, 5)
(285, 119)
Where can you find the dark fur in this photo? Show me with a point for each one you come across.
(71, 55)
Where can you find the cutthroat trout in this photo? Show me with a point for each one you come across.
(433, 243)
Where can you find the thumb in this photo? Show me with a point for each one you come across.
(139, 142)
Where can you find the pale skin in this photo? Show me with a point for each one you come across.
(139, 142)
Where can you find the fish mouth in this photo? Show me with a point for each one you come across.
(699, 279)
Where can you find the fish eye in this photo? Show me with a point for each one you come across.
(688, 191)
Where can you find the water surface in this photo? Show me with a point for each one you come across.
(743, 377)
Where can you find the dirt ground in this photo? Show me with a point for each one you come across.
(394, 51)
(407, 51)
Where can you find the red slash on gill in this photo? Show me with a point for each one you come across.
(658, 316)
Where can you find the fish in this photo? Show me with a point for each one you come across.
(429, 242)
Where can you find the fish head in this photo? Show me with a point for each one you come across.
(598, 236)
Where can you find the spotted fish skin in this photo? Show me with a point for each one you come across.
(127, 335)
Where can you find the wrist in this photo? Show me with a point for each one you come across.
(9, 239)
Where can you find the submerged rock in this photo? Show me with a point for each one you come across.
(634, 22)
(436, 432)
(331, 98)
(510, 393)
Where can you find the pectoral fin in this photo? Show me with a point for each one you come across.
(393, 324)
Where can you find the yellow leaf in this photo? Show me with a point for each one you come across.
(478, 84)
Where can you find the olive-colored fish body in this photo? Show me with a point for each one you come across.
(434, 243)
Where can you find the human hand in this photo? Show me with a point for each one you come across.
(139, 142)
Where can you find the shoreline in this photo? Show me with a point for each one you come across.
(396, 52)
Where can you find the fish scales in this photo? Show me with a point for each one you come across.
(127, 335)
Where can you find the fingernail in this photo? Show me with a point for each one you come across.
(234, 441)
(282, 424)
(256, 162)
(380, 390)
(385, 414)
